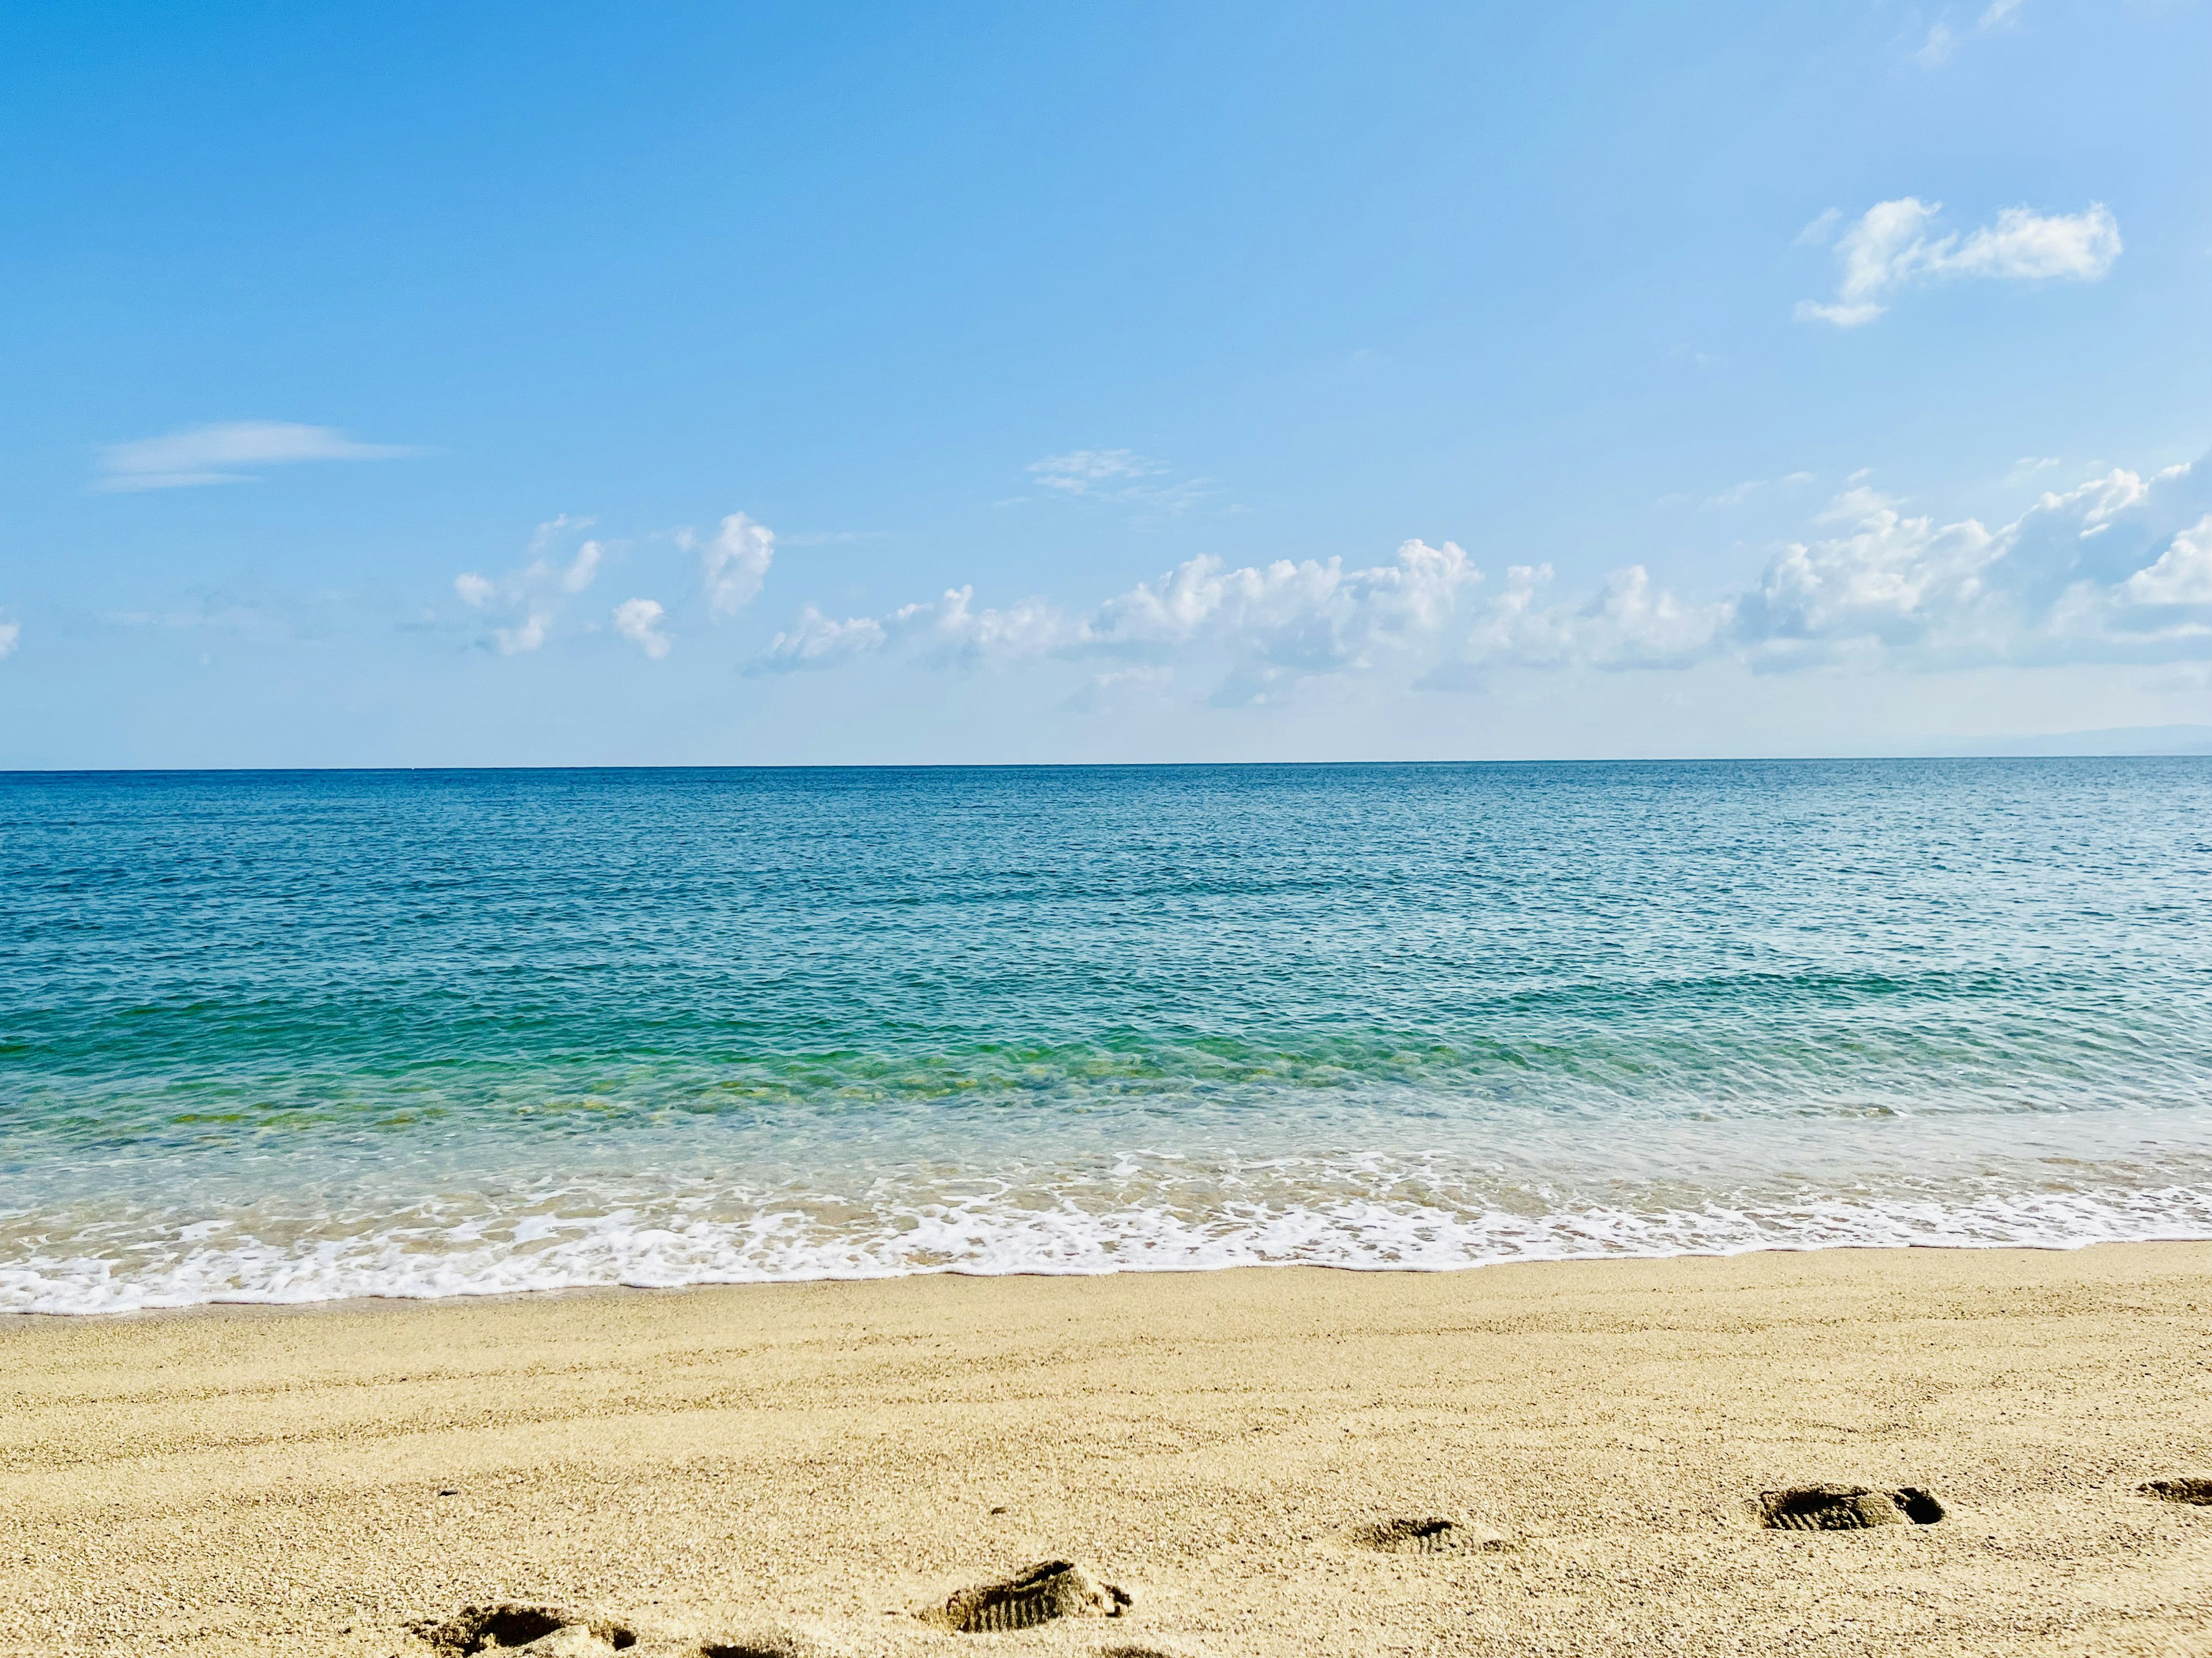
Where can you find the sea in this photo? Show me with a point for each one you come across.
(294, 1037)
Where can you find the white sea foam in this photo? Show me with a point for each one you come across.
(416, 1256)
(670, 1205)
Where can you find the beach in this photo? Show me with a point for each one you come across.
(813, 1468)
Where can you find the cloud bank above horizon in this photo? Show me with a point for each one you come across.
(2116, 570)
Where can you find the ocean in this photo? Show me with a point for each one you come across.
(294, 1037)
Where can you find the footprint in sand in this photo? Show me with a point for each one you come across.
(1846, 1508)
(546, 1631)
(1426, 1537)
(1050, 1590)
(2195, 1491)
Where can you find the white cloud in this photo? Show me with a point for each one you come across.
(1888, 248)
(1736, 493)
(734, 564)
(1268, 625)
(2117, 568)
(2024, 246)
(217, 454)
(1314, 614)
(1092, 472)
(816, 640)
(528, 599)
(11, 634)
(1823, 225)
(1627, 623)
(638, 619)
(526, 636)
(2182, 574)
(1117, 475)
(1937, 48)
(951, 630)
(1942, 41)
(584, 566)
(525, 605)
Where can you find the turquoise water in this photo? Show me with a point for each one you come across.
(291, 1036)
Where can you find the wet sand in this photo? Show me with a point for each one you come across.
(806, 1467)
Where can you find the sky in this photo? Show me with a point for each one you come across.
(766, 384)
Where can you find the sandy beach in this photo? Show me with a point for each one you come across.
(1253, 1458)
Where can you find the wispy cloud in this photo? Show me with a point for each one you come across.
(1888, 248)
(1822, 226)
(1736, 493)
(215, 613)
(1118, 475)
(1942, 41)
(1094, 472)
(11, 634)
(233, 452)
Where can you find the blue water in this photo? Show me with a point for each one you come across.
(289, 1037)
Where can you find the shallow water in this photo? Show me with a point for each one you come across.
(289, 1037)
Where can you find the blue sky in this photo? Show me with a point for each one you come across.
(552, 384)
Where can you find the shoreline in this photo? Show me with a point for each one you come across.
(804, 1467)
(1385, 1269)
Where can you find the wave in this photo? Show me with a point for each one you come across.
(571, 1241)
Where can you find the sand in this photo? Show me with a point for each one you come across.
(1252, 1458)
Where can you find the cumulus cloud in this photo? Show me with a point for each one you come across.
(816, 640)
(734, 564)
(230, 453)
(526, 601)
(2181, 578)
(1889, 248)
(1627, 623)
(2118, 567)
(1269, 625)
(525, 606)
(638, 619)
(526, 634)
(11, 634)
